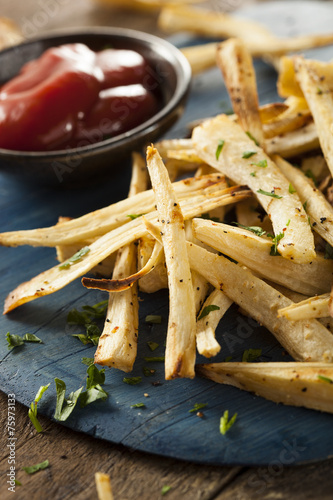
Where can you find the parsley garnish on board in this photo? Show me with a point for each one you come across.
(85, 318)
(267, 193)
(65, 406)
(225, 423)
(75, 258)
(94, 391)
(35, 468)
(254, 229)
(33, 408)
(165, 490)
(154, 359)
(250, 355)
(206, 310)
(132, 380)
(219, 149)
(154, 319)
(16, 341)
(152, 345)
(148, 372)
(138, 405)
(198, 406)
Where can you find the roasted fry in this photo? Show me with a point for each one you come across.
(180, 347)
(243, 161)
(297, 384)
(235, 62)
(313, 307)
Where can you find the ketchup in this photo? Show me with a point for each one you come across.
(72, 97)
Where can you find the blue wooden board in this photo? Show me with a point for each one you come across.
(264, 433)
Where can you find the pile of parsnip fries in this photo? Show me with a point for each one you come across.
(156, 238)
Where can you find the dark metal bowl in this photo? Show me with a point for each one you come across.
(171, 72)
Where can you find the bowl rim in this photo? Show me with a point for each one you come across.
(177, 59)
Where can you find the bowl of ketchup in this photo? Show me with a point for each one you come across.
(73, 106)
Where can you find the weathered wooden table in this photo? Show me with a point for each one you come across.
(76, 457)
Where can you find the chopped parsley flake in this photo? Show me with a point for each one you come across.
(153, 319)
(267, 193)
(261, 164)
(225, 423)
(250, 355)
(198, 406)
(253, 174)
(134, 216)
(75, 258)
(132, 380)
(288, 223)
(254, 229)
(248, 154)
(35, 468)
(148, 372)
(33, 408)
(206, 310)
(292, 190)
(252, 138)
(87, 361)
(138, 405)
(219, 149)
(165, 490)
(16, 341)
(153, 345)
(274, 251)
(325, 379)
(65, 406)
(94, 391)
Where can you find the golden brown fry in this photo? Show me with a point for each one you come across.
(316, 81)
(157, 279)
(294, 117)
(313, 307)
(297, 384)
(267, 182)
(103, 486)
(305, 340)
(207, 344)
(318, 208)
(235, 62)
(287, 83)
(255, 252)
(295, 142)
(101, 221)
(117, 346)
(180, 346)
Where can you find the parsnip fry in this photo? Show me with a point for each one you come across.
(235, 62)
(305, 340)
(117, 346)
(118, 285)
(314, 307)
(157, 278)
(296, 384)
(103, 486)
(287, 83)
(318, 208)
(207, 344)
(294, 143)
(101, 221)
(294, 117)
(259, 40)
(56, 278)
(264, 178)
(255, 252)
(180, 347)
(316, 81)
